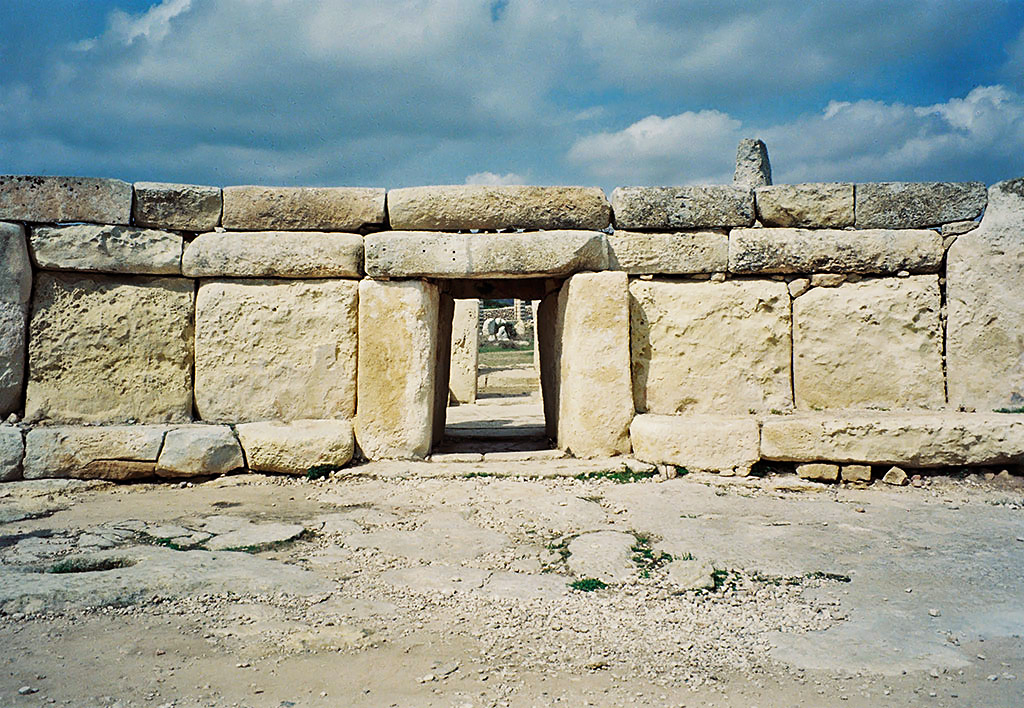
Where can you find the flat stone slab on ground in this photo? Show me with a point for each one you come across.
(254, 535)
(605, 555)
(436, 578)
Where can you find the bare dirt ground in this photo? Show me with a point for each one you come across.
(418, 584)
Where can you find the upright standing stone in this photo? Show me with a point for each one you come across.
(465, 351)
(106, 349)
(595, 398)
(65, 199)
(188, 207)
(442, 366)
(398, 333)
(15, 291)
(985, 329)
(752, 166)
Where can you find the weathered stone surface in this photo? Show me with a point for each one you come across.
(251, 536)
(252, 208)
(752, 166)
(15, 266)
(799, 286)
(856, 473)
(818, 471)
(465, 351)
(194, 450)
(276, 350)
(984, 277)
(710, 347)
(398, 332)
(815, 204)
(595, 404)
(604, 555)
(955, 228)
(415, 254)
(829, 250)
(691, 574)
(12, 449)
(910, 439)
(827, 280)
(914, 205)
(696, 442)
(464, 207)
(258, 254)
(297, 447)
(187, 207)
(669, 208)
(15, 291)
(93, 452)
(106, 249)
(65, 199)
(896, 477)
(105, 349)
(676, 253)
(875, 343)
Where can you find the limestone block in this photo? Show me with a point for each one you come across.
(106, 249)
(669, 208)
(187, 207)
(830, 250)
(194, 450)
(65, 199)
(814, 204)
(710, 347)
(985, 327)
(818, 471)
(15, 292)
(914, 205)
(258, 254)
(114, 452)
(465, 351)
(955, 228)
(442, 366)
(696, 442)
(895, 477)
(912, 439)
(595, 405)
(252, 208)
(15, 266)
(12, 449)
(678, 253)
(298, 446)
(464, 207)
(417, 254)
(752, 166)
(398, 333)
(275, 349)
(874, 343)
(108, 349)
(856, 473)
(827, 280)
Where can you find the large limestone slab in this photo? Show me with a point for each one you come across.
(604, 555)
(298, 446)
(703, 347)
(834, 251)
(426, 254)
(260, 254)
(753, 169)
(595, 404)
(814, 204)
(12, 449)
(166, 205)
(670, 208)
(275, 350)
(697, 442)
(465, 351)
(116, 452)
(398, 340)
(874, 343)
(106, 249)
(914, 205)
(194, 450)
(678, 253)
(65, 199)
(15, 292)
(985, 328)
(106, 349)
(464, 207)
(252, 208)
(910, 439)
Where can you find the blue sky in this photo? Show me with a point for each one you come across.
(379, 93)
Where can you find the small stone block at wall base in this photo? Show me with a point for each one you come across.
(696, 442)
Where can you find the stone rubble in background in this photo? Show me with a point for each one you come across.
(255, 208)
(916, 205)
(277, 254)
(106, 249)
(186, 207)
(753, 168)
(65, 199)
(15, 294)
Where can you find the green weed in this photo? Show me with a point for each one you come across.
(588, 584)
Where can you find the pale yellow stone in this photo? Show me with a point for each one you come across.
(15, 292)
(875, 343)
(194, 450)
(679, 253)
(710, 347)
(276, 349)
(813, 204)
(856, 473)
(89, 452)
(256, 208)
(696, 442)
(819, 471)
(464, 351)
(298, 446)
(107, 249)
(287, 254)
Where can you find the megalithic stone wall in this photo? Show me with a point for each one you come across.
(172, 330)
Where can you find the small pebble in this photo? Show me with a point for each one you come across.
(26, 690)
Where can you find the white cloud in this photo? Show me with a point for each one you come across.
(495, 179)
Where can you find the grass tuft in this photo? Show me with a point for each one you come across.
(588, 584)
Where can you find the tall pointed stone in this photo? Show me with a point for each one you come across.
(752, 166)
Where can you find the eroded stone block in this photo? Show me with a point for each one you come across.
(298, 446)
(696, 442)
(670, 208)
(753, 168)
(818, 471)
(710, 347)
(194, 450)
(115, 452)
(65, 199)
(187, 207)
(260, 254)
(253, 208)
(465, 351)
(874, 343)
(914, 205)
(106, 249)
(12, 449)
(815, 204)
(15, 291)
(677, 253)
(106, 349)
(275, 349)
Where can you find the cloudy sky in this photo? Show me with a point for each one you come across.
(604, 92)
